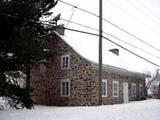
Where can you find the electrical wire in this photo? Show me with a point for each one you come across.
(106, 34)
(146, 8)
(71, 16)
(131, 52)
(89, 33)
(135, 18)
(149, 53)
(79, 24)
(79, 8)
(113, 24)
(112, 37)
(142, 11)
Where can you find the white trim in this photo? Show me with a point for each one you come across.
(65, 81)
(106, 88)
(125, 92)
(134, 93)
(113, 91)
(65, 56)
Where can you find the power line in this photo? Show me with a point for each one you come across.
(142, 11)
(79, 8)
(131, 52)
(138, 1)
(79, 24)
(89, 33)
(133, 35)
(115, 44)
(131, 45)
(123, 10)
(125, 31)
(112, 37)
(71, 16)
(80, 31)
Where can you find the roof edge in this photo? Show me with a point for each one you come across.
(105, 67)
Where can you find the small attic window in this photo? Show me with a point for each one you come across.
(65, 62)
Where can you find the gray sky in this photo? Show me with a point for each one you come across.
(139, 17)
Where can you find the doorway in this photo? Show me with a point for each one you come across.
(125, 92)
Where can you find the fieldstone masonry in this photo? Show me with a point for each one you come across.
(46, 79)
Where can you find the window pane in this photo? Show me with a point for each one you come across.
(65, 88)
(133, 90)
(115, 89)
(65, 62)
(104, 88)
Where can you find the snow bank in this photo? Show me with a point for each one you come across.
(2, 104)
(142, 110)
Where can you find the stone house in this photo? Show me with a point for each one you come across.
(66, 78)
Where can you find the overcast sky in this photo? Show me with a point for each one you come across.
(139, 17)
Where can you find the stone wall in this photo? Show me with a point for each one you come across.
(38, 85)
(121, 78)
(83, 83)
(83, 79)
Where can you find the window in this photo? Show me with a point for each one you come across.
(141, 93)
(104, 88)
(115, 89)
(65, 62)
(65, 88)
(133, 90)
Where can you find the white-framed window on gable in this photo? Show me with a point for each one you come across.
(65, 62)
(134, 91)
(115, 89)
(104, 88)
(141, 92)
(65, 88)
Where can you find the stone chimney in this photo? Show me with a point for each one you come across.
(115, 51)
(60, 29)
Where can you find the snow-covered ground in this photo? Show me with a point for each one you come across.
(141, 110)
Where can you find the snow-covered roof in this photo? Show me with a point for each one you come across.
(111, 62)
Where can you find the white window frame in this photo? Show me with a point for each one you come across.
(63, 67)
(134, 91)
(141, 92)
(104, 88)
(63, 94)
(113, 90)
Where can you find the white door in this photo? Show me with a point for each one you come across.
(125, 92)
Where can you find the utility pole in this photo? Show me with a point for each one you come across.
(100, 52)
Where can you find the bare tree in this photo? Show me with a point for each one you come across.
(153, 85)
